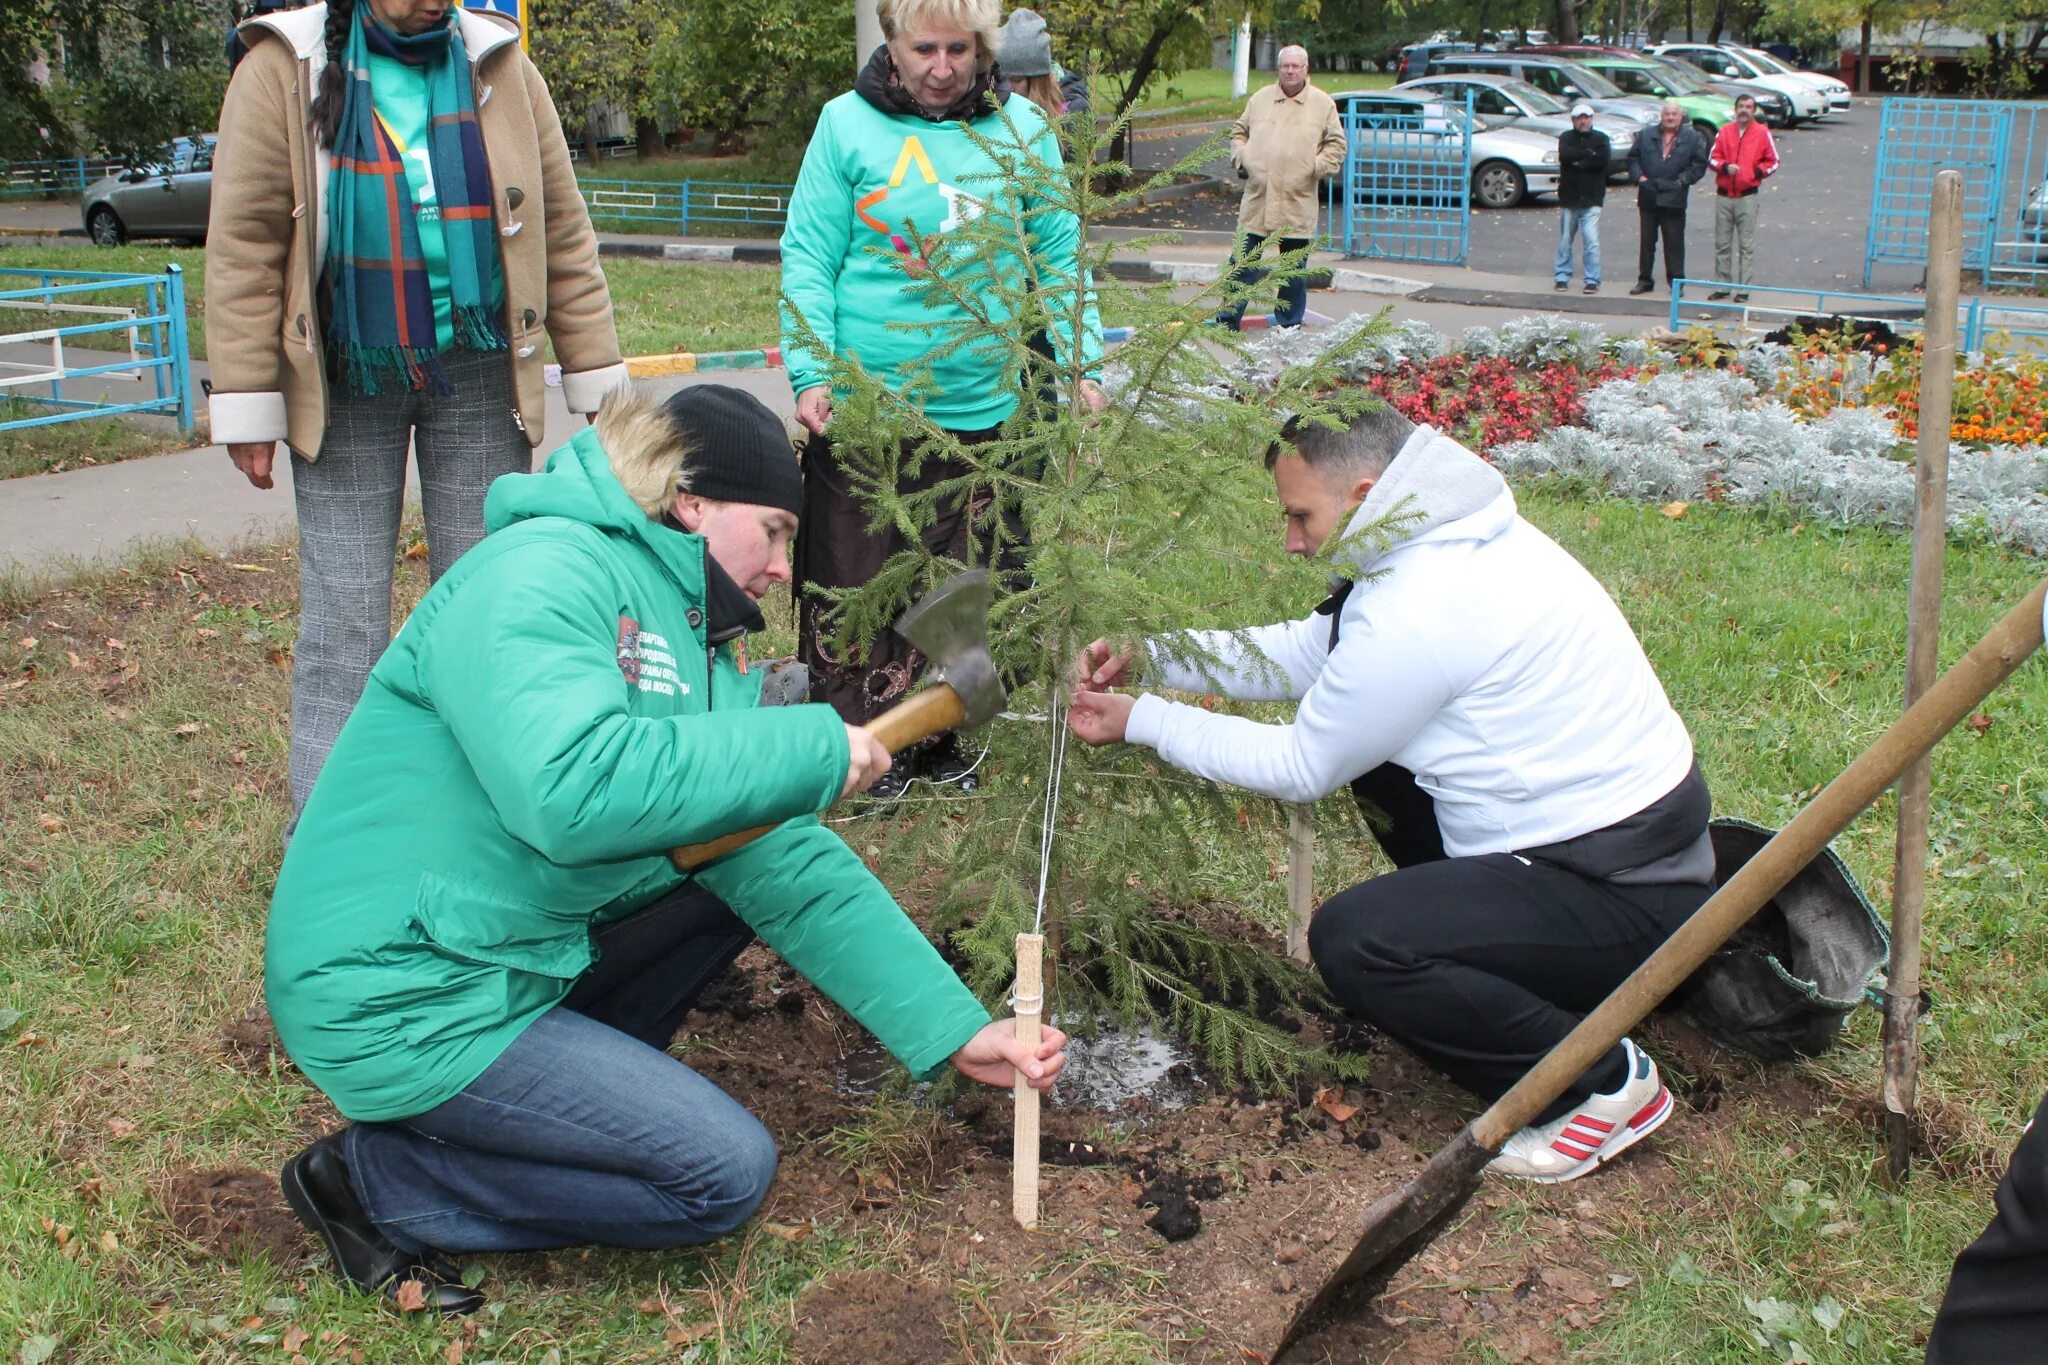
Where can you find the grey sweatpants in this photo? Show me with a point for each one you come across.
(1734, 237)
(349, 502)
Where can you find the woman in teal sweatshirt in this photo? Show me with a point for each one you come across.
(894, 163)
(477, 948)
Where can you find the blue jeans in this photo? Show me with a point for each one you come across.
(585, 1130)
(1293, 306)
(1576, 223)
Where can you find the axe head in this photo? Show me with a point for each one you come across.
(949, 625)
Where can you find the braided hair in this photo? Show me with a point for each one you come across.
(333, 92)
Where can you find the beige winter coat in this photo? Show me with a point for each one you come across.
(1283, 145)
(266, 242)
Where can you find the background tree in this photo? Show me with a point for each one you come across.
(594, 55)
(725, 69)
(125, 76)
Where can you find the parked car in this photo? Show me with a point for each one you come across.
(168, 197)
(1509, 164)
(1503, 99)
(1658, 79)
(1837, 90)
(1557, 77)
(1415, 57)
(1809, 101)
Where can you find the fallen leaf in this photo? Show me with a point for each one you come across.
(206, 632)
(1674, 510)
(412, 1295)
(120, 1128)
(27, 642)
(249, 568)
(109, 1243)
(51, 824)
(788, 1232)
(112, 643)
(295, 1336)
(71, 656)
(688, 1336)
(650, 1305)
(36, 1350)
(453, 1355)
(62, 1232)
(1980, 722)
(190, 727)
(1331, 1101)
(416, 551)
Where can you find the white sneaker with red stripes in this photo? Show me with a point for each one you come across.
(1600, 1129)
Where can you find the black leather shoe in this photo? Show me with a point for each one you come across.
(891, 785)
(1641, 289)
(316, 1186)
(947, 766)
(1718, 294)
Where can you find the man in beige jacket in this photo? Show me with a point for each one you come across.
(1288, 139)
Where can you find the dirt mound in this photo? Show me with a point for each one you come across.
(251, 1041)
(864, 1317)
(233, 1211)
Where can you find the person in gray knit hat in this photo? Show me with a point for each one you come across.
(1024, 54)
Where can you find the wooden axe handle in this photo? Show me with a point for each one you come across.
(933, 711)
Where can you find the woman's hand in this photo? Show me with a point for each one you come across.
(254, 459)
(1100, 717)
(994, 1056)
(1099, 667)
(1092, 396)
(814, 408)
(866, 760)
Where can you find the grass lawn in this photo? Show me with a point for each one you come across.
(76, 445)
(1203, 93)
(143, 795)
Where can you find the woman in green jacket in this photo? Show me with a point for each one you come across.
(477, 947)
(901, 161)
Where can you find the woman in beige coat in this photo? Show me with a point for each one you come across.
(395, 221)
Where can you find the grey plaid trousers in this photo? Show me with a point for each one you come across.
(349, 502)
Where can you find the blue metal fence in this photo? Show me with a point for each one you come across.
(156, 366)
(2000, 146)
(1407, 186)
(2016, 326)
(682, 206)
(69, 175)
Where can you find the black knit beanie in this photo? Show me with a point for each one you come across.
(738, 450)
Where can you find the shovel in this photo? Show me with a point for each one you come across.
(1400, 1224)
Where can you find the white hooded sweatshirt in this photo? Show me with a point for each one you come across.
(1473, 651)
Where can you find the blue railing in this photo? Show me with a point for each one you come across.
(69, 175)
(1978, 319)
(158, 363)
(682, 206)
(1407, 181)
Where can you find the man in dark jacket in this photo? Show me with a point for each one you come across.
(1582, 153)
(1664, 167)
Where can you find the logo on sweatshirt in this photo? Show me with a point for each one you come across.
(961, 207)
(645, 662)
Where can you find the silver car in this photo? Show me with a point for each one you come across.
(1503, 101)
(169, 197)
(1508, 164)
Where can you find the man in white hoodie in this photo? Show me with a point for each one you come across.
(1517, 758)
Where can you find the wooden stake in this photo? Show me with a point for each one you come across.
(1923, 635)
(1030, 1009)
(1301, 880)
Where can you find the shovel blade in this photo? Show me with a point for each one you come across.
(1393, 1230)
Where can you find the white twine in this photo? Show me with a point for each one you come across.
(1049, 824)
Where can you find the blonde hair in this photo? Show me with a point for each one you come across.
(646, 452)
(980, 17)
(1042, 91)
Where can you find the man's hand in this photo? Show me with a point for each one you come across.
(254, 459)
(1099, 667)
(1092, 396)
(866, 761)
(1100, 717)
(994, 1056)
(814, 408)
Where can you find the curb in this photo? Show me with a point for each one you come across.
(40, 233)
(1339, 279)
(723, 253)
(1607, 305)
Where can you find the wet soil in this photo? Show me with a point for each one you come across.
(233, 1211)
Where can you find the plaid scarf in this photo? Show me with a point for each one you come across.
(380, 322)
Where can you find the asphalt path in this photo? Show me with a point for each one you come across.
(1810, 230)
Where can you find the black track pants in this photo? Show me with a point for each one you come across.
(1996, 1308)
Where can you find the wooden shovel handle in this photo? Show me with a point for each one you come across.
(1953, 697)
(933, 711)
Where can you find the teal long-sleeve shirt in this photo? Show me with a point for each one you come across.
(874, 179)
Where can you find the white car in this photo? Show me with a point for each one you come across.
(1508, 164)
(1837, 91)
(1809, 101)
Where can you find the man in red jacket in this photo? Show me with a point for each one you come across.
(1743, 157)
